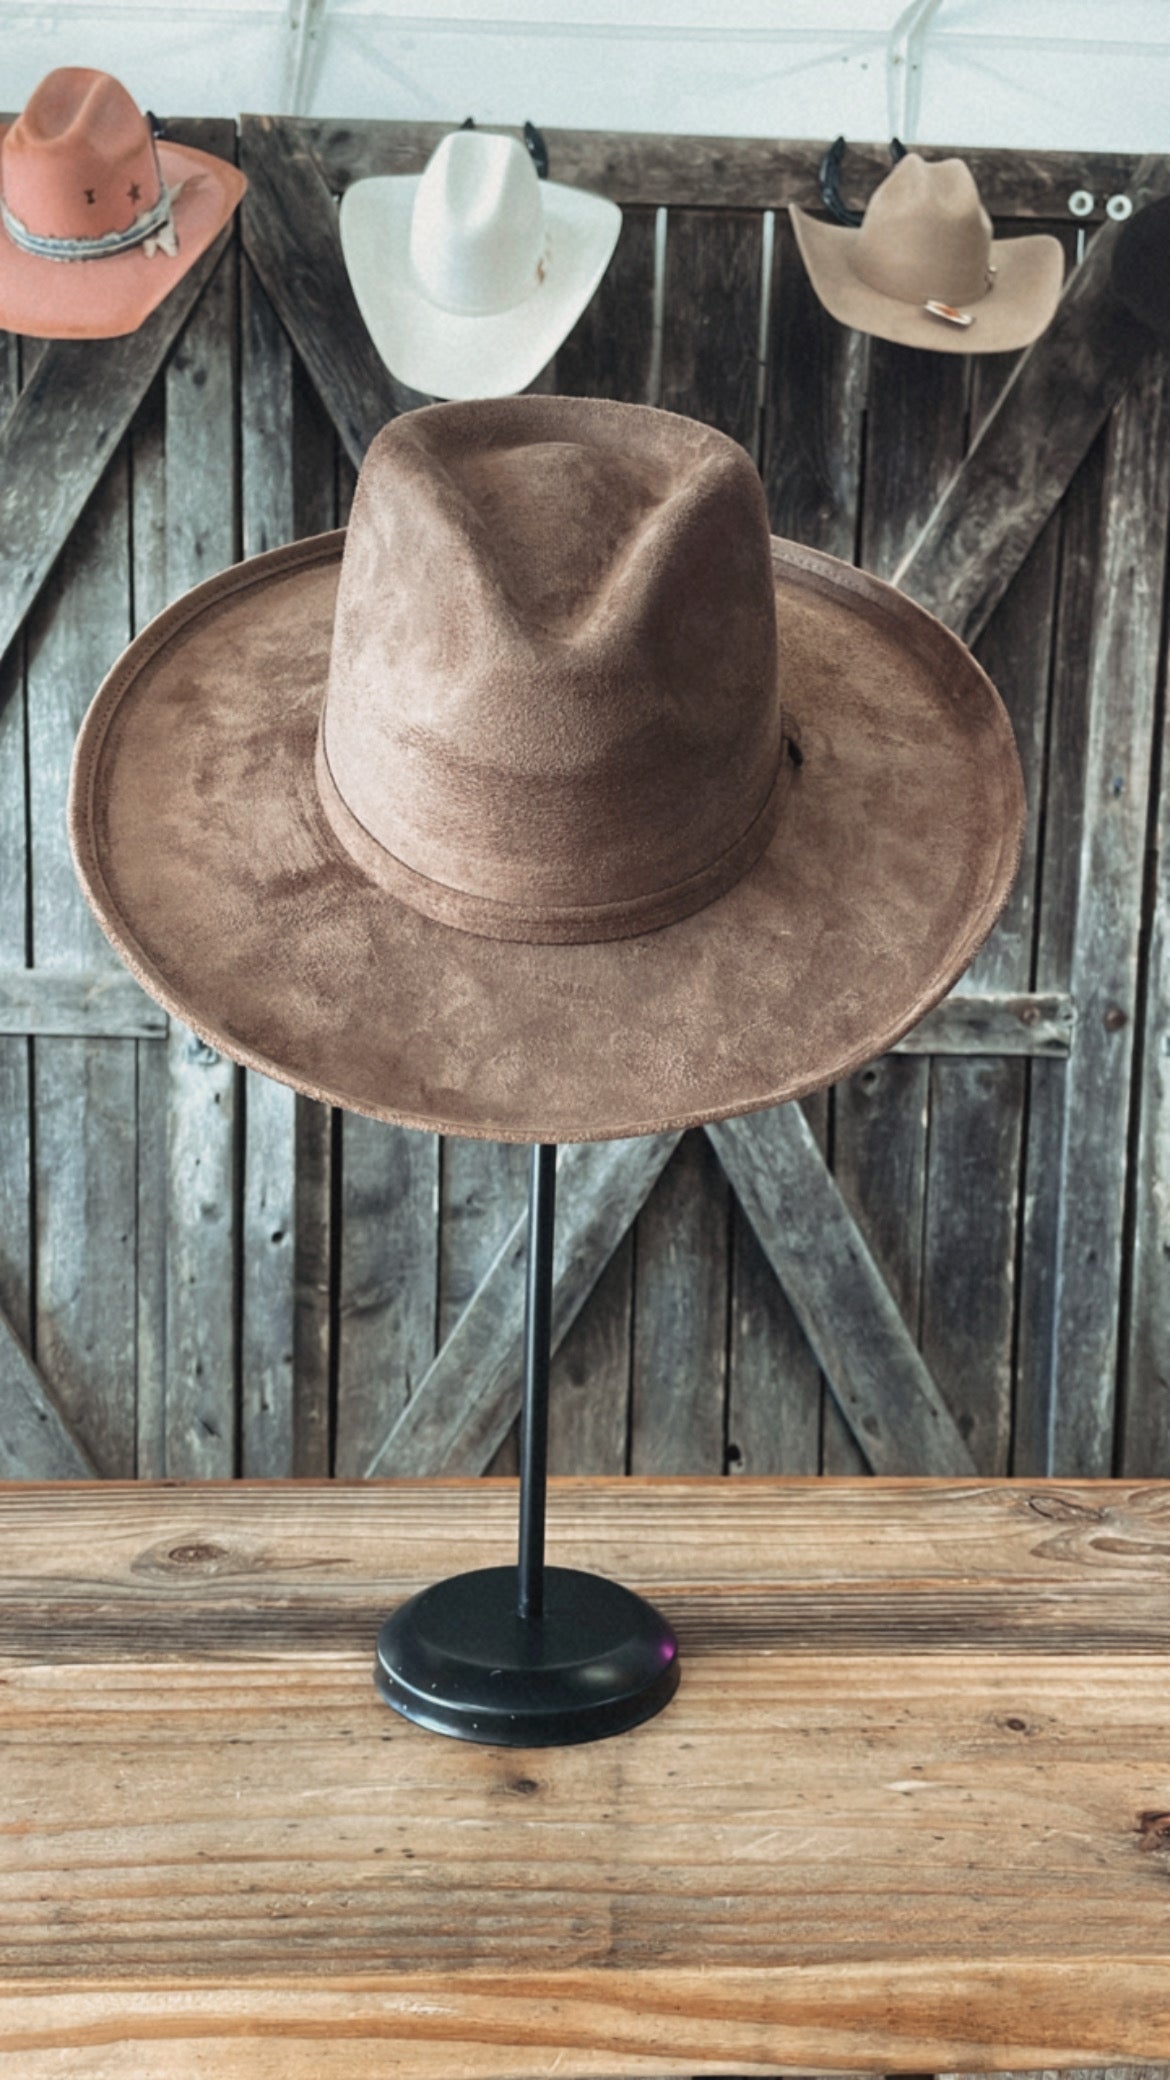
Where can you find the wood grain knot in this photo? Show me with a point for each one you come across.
(1153, 1830)
(522, 1787)
(1064, 1509)
(196, 1555)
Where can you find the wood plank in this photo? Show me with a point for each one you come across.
(16, 1183)
(466, 1403)
(318, 1129)
(915, 428)
(148, 551)
(484, 1192)
(610, 351)
(84, 1316)
(90, 1004)
(36, 1442)
(62, 432)
(977, 1108)
(679, 1372)
(212, 1573)
(814, 410)
(589, 1384)
(995, 1022)
(1080, 527)
(1145, 1423)
(707, 172)
(1123, 673)
(1030, 446)
(202, 1184)
(389, 1284)
(852, 1321)
(251, 1850)
(781, 1417)
(774, 1381)
(711, 319)
(268, 1213)
(291, 237)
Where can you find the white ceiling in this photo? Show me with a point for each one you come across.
(1073, 74)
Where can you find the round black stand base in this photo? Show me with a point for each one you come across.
(459, 1659)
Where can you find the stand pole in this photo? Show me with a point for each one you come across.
(542, 1200)
(528, 1656)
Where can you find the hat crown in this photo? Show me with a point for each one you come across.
(477, 227)
(552, 709)
(926, 236)
(79, 160)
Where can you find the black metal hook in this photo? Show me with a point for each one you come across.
(829, 177)
(538, 150)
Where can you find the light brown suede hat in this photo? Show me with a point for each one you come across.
(555, 801)
(924, 270)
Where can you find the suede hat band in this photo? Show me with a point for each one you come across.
(478, 817)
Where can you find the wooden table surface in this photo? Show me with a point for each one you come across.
(910, 1809)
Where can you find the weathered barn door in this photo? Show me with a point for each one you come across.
(954, 1261)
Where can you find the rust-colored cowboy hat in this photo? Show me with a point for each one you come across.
(98, 218)
(924, 270)
(554, 801)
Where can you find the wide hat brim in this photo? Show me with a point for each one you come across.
(1029, 273)
(200, 840)
(104, 298)
(452, 354)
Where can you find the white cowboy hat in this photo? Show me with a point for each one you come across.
(470, 274)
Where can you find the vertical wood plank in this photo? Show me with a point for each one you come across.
(711, 319)
(1080, 525)
(84, 1322)
(16, 1224)
(1145, 1436)
(589, 1382)
(268, 1267)
(389, 1275)
(780, 1418)
(1122, 692)
(917, 403)
(318, 1128)
(680, 1317)
(814, 410)
(484, 1191)
(202, 1211)
(149, 572)
(977, 1106)
(610, 351)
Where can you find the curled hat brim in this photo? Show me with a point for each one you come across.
(453, 354)
(105, 298)
(202, 845)
(1028, 280)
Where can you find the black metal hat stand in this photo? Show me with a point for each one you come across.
(529, 1656)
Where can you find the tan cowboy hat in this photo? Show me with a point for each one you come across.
(923, 269)
(98, 218)
(555, 801)
(470, 274)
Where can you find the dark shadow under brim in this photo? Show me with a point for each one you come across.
(1022, 304)
(202, 845)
